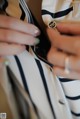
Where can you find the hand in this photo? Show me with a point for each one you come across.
(1, 62)
(65, 43)
(15, 35)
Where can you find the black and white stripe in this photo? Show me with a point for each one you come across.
(31, 72)
(57, 14)
(72, 94)
(61, 10)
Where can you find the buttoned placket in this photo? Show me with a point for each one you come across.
(61, 104)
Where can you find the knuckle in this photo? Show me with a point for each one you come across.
(76, 46)
(9, 22)
(7, 35)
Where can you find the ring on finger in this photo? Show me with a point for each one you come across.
(67, 70)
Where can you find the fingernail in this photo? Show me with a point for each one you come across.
(37, 41)
(37, 32)
(6, 62)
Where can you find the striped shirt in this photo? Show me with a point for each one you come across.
(51, 98)
(62, 10)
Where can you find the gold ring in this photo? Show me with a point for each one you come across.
(67, 70)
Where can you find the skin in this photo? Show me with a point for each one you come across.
(15, 35)
(65, 42)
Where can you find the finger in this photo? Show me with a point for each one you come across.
(1, 61)
(69, 27)
(60, 72)
(74, 63)
(16, 24)
(10, 49)
(12, 36)
(70, 44)
(57, 58)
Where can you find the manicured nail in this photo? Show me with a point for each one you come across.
(37, 41)
(37, 32)
(6, 62)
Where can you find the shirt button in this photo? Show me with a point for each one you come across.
(61, 102)
(52, 24)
